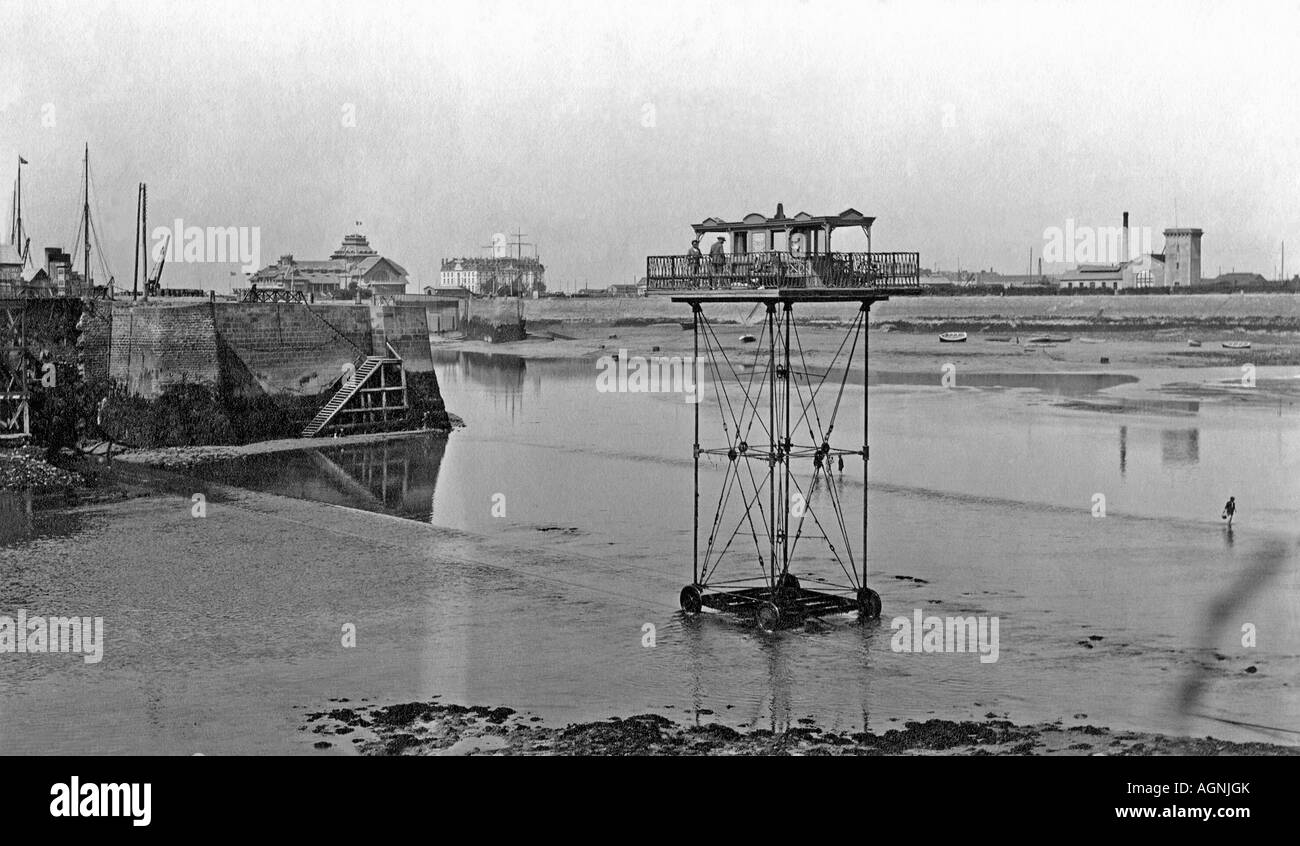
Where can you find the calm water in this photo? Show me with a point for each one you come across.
(573, 524)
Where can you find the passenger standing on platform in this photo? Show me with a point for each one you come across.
(718, 256)
(694, 257)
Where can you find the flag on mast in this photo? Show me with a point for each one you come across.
(21, 160)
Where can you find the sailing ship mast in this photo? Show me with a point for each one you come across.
(17, 239)
(17, 234)
(85, 215)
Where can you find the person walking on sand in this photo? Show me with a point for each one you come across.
(1229, 509)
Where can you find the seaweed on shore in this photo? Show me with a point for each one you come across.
(429, 728)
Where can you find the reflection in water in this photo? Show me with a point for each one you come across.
(500, 377)
(25, 517)
(1180, 446)
(784, 692)
(692, 634)
(1123, 450)
(778, 682)
(394, 477)
(15, 516)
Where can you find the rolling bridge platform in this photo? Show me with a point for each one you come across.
(781, 455)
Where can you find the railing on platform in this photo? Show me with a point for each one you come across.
(784, 270)
(24, 290)
(272, 295)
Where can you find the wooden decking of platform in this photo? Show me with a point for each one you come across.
(786, 295)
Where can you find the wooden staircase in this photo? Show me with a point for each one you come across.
(364, 398)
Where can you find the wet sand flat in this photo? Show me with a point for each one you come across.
(432, 728)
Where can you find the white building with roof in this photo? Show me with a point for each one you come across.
(353, 263)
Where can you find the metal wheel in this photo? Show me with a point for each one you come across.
(869, 605)
(691, 599)
(767, 616)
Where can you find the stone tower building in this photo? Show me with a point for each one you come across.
(1182, 258)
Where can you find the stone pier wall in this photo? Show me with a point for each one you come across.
(277, 362)
(247, 348)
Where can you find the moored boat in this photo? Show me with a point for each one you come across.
(1236, 345)
(952, 337)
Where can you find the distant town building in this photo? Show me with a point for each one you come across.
(1008, 280)
(494, 276)
(1245, 280)
(353, 266)
(623, 290)
(11, 265)
(1093, 276)
(446, 293)
(56, 278)
(1145, 271)
(1179, 266)
(1182, 258)
(930, 278)
(59, 273)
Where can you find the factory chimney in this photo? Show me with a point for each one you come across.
(1126, 257)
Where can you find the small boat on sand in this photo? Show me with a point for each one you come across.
(1047, 339)
(1192, 342)
(747, 339)
(688, 325)
(952, 337)
(1236, 345)
(1001, 339)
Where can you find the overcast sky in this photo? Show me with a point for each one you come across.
(602, 130)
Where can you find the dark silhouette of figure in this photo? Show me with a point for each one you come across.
(718, 256)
